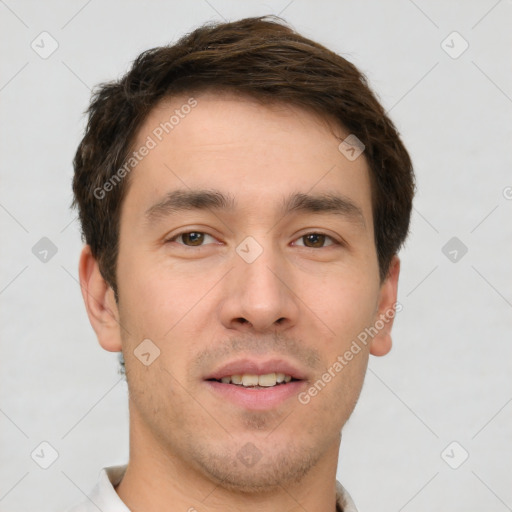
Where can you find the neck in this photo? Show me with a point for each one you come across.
(156, 477)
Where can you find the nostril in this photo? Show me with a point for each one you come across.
(245, 321)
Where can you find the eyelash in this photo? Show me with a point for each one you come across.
(333, 240)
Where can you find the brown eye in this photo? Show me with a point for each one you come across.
(190, 238)
(193, 238)
(315, 240)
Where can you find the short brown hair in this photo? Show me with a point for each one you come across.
(260, 57)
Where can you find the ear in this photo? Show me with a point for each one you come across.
(385, 314)
(99, 302)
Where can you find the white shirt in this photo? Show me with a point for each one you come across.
(105, 498)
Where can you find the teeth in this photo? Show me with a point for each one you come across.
(249, 380)
(267, 380)
(236, 379)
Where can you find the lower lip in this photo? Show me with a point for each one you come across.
(256, 398)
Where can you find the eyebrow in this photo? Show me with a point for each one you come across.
(325, 203)
(181, 200)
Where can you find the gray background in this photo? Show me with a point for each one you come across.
(448, 377)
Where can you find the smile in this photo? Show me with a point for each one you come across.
(255, 384)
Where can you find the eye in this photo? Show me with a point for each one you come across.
(198, 238)
(316, 240)
(190, 238)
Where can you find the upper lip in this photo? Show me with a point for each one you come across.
(255, 367)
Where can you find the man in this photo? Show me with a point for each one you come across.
(243, 197)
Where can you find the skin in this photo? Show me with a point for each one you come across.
(204, 305)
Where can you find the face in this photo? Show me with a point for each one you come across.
(246, 255)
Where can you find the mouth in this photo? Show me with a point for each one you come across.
(256, 385)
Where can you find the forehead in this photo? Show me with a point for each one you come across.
(257, 153)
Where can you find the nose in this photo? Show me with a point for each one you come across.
(259, 296)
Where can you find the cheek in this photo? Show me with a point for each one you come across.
(157, 298)
(169, 308)
(345, 304)
(333, 392)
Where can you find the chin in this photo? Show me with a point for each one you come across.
(261, 473)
